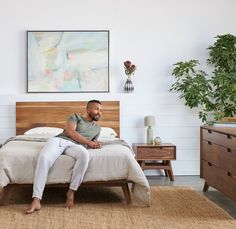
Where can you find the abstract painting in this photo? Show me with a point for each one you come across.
(68, 61)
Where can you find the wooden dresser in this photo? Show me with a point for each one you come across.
(218, 159)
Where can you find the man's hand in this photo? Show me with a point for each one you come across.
(70, 131)
(94, 144)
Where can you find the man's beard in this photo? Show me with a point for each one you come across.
(94, 117)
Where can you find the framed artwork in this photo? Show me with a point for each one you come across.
(67, 61)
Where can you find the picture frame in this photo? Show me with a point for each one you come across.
(69, 61)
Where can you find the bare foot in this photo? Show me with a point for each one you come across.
(70, 199)
(34, 206)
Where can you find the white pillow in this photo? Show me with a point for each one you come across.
(107, 132)
(53, 131)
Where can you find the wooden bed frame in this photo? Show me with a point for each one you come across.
(55, 114)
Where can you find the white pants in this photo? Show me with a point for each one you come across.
(48, 155)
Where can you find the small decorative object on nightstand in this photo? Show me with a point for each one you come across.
(147, 156)
(150, 122)
(157, 141)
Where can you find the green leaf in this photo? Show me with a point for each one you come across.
(215, 93)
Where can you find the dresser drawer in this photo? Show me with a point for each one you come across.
(220, 156)
(151, 153)
(219, 179)
(222, 139)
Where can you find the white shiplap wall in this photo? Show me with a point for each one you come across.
(174, 123)
(154, 34)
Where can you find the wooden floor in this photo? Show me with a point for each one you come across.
(197, 183)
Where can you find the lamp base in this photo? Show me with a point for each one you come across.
(149, 135)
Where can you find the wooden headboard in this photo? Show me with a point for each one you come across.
(55, 114)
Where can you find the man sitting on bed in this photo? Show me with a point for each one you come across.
(80, 132)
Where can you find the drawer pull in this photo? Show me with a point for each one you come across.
(209, 164)
(229, 136)
(228, 149)
(209, 143)
(209, 131)
(231, 175)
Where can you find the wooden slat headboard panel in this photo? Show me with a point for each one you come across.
(55, 114)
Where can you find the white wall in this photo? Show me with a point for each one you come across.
(154, 34)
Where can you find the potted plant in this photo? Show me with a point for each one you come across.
(214, 94)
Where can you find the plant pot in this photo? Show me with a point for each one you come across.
(229, 119)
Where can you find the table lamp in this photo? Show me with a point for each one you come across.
(150, 122)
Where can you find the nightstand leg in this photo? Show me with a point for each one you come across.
(164, 163)
(166, 174)
(170, 171)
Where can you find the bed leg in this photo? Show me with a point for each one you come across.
(125, 188)
(2, 192)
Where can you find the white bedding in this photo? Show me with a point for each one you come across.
(18, 160)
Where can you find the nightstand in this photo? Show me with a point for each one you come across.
(149, 156)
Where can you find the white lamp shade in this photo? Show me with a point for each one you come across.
(149, 121)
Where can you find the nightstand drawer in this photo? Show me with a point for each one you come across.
(155, 153)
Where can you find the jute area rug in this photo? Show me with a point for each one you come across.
(171, 207)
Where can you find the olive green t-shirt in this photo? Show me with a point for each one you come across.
(88, 129)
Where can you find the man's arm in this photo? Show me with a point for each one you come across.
(70, 131)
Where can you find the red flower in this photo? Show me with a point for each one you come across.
(127, 63)
(129, 68)
(132, 68)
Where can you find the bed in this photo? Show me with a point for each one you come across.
(112, 165)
